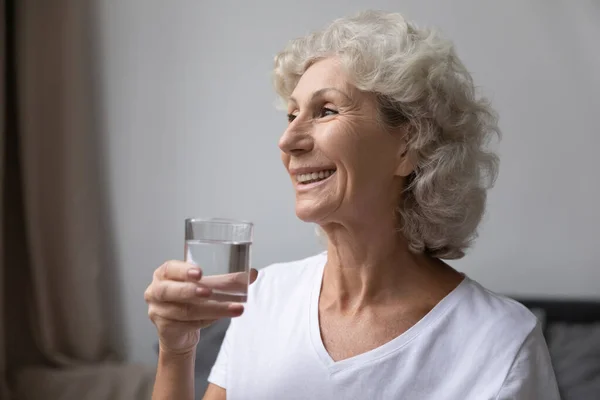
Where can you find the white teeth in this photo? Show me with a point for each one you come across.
(314, 176)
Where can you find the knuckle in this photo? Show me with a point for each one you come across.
(159, 272)
(148, 294)
(160, 292)
(165, 269)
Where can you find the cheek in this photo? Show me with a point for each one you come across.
(366, 161)
(362, 153)
(341, 142)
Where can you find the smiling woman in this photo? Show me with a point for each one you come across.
(386, 151)
(413, 83)
(335, 127)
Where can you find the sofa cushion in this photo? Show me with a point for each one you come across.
(575, 352)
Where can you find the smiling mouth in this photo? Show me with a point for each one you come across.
(305, 179)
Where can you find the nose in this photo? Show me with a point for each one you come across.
(296, 140)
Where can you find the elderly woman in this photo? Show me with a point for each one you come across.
(385, 149)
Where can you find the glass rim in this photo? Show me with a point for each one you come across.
(219, 221)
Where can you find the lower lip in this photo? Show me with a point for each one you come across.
(301, 187)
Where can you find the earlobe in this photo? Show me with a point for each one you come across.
(406, 160)
(406, 166)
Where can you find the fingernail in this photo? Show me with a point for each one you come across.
(236, 308)
(202, 291)
(193, 273)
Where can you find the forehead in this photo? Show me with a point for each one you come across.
(327, 73)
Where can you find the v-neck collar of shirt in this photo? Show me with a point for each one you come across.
(384, 350)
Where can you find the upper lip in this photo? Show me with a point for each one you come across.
(310, 170)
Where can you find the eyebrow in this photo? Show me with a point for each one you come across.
(321, 92)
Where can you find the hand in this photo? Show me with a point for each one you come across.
(179, 304)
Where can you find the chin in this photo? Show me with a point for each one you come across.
(311, 214)
(306, 215)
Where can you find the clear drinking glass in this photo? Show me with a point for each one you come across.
(221, 246)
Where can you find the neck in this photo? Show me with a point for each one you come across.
(369, 265)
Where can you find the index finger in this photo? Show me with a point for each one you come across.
(178, 271)
(233, 282)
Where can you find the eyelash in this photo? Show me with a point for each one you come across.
(323, 110)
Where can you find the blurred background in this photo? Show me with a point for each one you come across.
(120, 118)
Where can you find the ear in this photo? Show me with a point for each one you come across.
(406, 160)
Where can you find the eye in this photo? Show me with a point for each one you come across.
(326, 112)
(291, 117)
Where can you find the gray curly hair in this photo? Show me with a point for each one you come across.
(420, 84)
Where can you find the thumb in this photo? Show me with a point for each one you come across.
(253, 275)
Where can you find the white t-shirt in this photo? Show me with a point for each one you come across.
(473, 344)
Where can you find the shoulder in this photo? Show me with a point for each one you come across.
(515, 346)
(490, 325)
(489, 309)
(531, 374)
(492, 333)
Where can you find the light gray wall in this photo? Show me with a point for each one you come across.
(191, 131)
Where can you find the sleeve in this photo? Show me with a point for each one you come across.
(531, 375)
(218, 373)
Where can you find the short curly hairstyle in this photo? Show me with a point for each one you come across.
(421, 84)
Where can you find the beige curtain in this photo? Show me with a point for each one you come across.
(60, 320)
